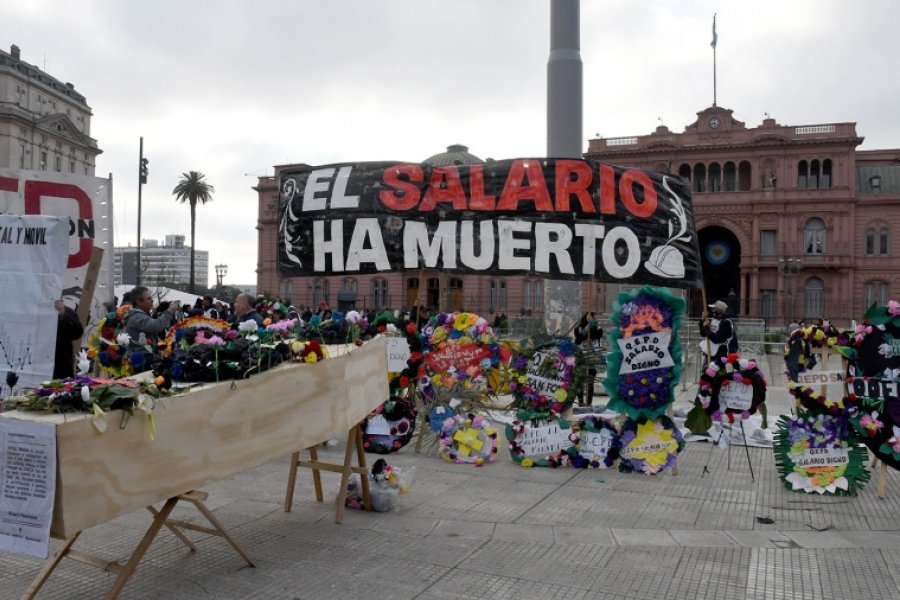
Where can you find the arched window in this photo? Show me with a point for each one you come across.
(699, 178)
(870, 242)
(533, 295)
(380, 293)
(802, 174)
(875, 292)
(685, 171)
(497, 294)
(813, 174)
(814, 298)
(715, 177)
(730, 177)
(745, 171)
(826, 173)
(322, 291)
(884, 241)
(814, 236)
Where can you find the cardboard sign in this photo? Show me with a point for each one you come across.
(542, 384)
(595, 445)
(820, 377)
(397, 349)
(461, 356)
(545, 439)
(736, 396)
(645, 352)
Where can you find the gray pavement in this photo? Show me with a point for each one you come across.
(502, 531)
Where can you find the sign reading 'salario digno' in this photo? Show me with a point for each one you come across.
(564, 218)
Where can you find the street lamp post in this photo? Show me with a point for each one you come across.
(790, 267)
(221, 272)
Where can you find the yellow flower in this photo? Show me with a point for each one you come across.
(465, 340)
(461, 322)
(560, 394)
(527, 462)
(311, 358)
(439, 335)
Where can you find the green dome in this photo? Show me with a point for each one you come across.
(457, 154)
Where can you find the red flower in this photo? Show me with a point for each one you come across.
(410, 328)
(404, 381)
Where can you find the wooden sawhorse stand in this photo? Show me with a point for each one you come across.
(354, 439)
(160, 518)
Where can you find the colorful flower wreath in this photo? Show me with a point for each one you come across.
(468, 438)
(398, 415)
(645, 314)
(731, 370)
(109, 345)
(461, 352)
(649, 445)
(542, 379)
(529, 421)
(197, 330)
(820, 404)
(309, 352)
(598, 444)
(818, 453)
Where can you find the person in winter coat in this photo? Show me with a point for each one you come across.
(143, 329)
(720, 337)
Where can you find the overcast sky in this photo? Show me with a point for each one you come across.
(232, 88)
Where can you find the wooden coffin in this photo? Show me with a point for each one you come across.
(207, 435)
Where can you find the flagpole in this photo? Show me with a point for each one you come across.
(714, 40)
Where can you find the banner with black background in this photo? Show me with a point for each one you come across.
(562, 218)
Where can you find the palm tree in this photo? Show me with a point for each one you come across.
(192, 188)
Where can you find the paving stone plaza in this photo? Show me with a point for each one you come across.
(503, 531)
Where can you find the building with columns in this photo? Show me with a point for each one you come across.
(793, 221)
(45, 125)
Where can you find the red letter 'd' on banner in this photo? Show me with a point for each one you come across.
(409, 192)
(566, 186)
(35, 190)
(626, 189)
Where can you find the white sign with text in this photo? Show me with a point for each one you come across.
(544, 439)
(27, 485)
(645, 352)
(736, 396)
(397, 354)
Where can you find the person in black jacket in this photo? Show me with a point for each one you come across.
(68, 329)
(587, 335)
(719, 336)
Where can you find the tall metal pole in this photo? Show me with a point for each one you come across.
(564, 132)
(140, 187)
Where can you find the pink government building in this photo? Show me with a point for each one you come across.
(793, 223)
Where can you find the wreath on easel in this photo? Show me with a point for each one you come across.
(719, 399)
(649, 445)
(396, 423)
(818, 453)
(543, 379)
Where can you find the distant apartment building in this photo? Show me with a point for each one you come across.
(45, 125)
(167, 263)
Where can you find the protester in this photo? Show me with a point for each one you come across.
(796, 352)
(587, 335)
(68, 330)
(144, 329)
(719, 335)
(209, 310)
(244, 310)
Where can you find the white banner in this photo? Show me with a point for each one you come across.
(27, 485)
(32, 264)
(645, 352)
(86, 203)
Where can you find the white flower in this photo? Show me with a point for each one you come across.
(886, 350)
(83, 363)
(352, 317)
(391, 328)
(248, 326)
(123, 338)
(86, 394)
